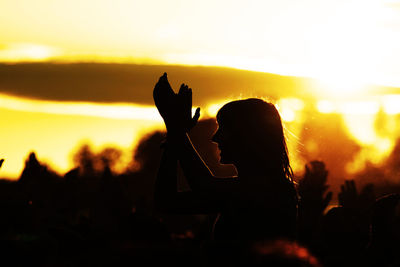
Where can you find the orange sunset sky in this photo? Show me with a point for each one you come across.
(347, 52)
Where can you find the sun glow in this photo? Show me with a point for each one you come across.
(289, 108)
(27, 52)
(391, 104)
(212, 109)
(345, 45)
(361, 118)
(361, 107)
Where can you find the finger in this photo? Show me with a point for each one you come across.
(1, 162)
(190, 97)
(307, 168)
(163, 78)
(353, 186)
(327, 199)
(185, 97)
(162, 90)
(186, 89)
(164, 83)
(324, 176)
(340, 198)
(350, 187)
(195, 118)
(324, 188)
(196, 115)
(313, 165)
(188, 94)
(181, 89)
(347, 185)
(319, 165)
(181, 96)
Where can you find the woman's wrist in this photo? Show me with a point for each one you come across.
(173, 140)
(175, 135)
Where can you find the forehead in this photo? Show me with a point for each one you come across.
(220, 121)
(222, 115)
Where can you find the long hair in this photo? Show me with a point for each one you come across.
(257, 126)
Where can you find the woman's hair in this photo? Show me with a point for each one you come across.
(257, 127)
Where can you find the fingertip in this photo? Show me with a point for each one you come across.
(195, 118)
(197, 114)
(163, 77)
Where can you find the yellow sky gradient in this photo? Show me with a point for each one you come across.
(354, 41)
(56, 129)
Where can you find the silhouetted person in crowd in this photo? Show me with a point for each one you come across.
(261, 202)
(385, 232)
(314, 200)
(343, 232)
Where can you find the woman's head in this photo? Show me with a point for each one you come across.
(251, 130)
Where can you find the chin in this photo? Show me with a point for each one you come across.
(223, 160)
(224, 157)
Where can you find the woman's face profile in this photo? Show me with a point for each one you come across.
(223, 138)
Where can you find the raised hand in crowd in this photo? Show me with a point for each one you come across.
(313, 188)
(350, 199)
(314, 199)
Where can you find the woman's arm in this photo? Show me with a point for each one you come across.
(167, 198)
(176, 110)
(199, 177)
(166, 180)
(197, 173)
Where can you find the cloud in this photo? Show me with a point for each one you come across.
(111, 111)
(129, 83)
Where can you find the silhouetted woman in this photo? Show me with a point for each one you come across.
(260, 203)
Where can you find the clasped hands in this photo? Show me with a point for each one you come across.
(175, 109)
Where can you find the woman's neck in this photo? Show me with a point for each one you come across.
(259, 170)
